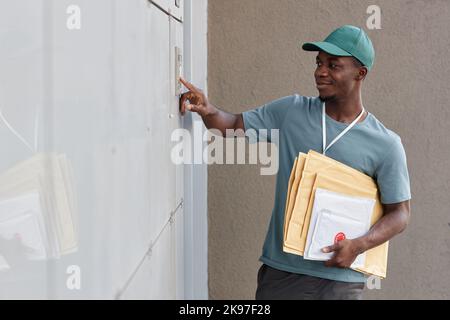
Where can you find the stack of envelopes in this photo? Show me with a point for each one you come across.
(314, 171)
(38, 208)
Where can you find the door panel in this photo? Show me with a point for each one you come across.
(103, 97)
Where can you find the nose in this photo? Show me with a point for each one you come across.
(321, 72)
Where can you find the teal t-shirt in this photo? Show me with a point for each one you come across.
(368, 147)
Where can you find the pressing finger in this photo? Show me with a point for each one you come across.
(188, 85)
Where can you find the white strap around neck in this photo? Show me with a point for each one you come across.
(324, 129)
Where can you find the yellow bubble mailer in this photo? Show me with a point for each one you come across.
(314, 170)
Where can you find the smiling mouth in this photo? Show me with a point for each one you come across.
(322, 85)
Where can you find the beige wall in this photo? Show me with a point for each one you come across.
(254, 57)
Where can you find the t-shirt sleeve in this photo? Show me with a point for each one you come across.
(260, 122)
(392, 175)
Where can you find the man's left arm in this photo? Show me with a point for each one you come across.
(394, 220)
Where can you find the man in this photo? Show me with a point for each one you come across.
(343, 61)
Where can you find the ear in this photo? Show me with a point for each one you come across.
(362, 73)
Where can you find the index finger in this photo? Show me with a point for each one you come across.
(333, 247)
(188, 85)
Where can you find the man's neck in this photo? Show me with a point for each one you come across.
(344, 110)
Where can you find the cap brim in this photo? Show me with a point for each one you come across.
(326, 47)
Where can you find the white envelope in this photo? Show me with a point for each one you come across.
(51, 175)
(13, 188)
(335, 217)
(331, 228)
(22, 229)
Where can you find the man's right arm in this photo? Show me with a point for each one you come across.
(196, 101)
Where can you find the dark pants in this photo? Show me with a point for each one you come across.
(275, 284)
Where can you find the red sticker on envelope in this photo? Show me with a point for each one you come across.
(339, 237)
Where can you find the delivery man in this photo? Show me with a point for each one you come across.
(343, 61)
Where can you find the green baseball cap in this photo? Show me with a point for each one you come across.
(346, 41)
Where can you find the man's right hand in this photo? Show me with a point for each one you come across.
(194, 100)
(212, 117)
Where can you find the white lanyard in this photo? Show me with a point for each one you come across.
(324, 130)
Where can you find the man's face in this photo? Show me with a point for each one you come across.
(335, 76)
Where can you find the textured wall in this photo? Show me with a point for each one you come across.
(254, 57)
